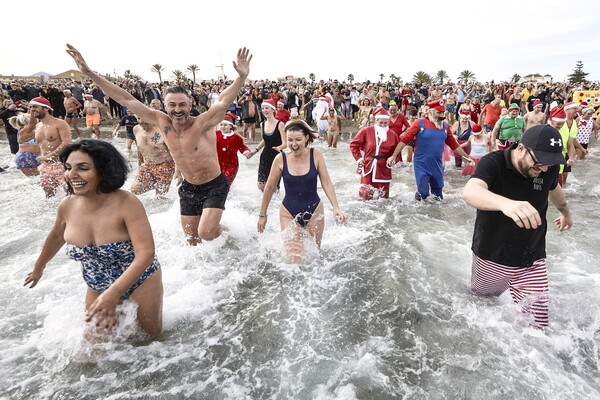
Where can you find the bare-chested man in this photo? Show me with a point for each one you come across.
(155, 164)
(384, 97)
(535, 117)
(52, 134)
(192, 143)
(94, 114)
(72, 106)
(451, 103)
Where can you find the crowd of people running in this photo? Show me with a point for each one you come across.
(188, 132)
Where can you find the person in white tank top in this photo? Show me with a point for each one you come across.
(481, 144)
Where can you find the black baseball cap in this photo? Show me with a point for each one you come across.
(546, 143)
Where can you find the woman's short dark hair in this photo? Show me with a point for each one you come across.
(109, 163)
(302, 127)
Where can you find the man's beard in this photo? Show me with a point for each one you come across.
(381, 132)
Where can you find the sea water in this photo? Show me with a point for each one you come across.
(383, 311)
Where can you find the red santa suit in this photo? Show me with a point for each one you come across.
(374, 152)
(282, 115)
(228, 144)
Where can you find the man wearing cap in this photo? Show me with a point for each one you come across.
(371, 147)
(281, 113)
(510, 189)
(431, 134)
(192, 143)
(568, 132)
(52, 134)
(94, 111)
(535, 117)
(509, 128)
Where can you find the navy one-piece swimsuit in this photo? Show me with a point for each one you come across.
(301, 198)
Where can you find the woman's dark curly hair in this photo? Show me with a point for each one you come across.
(110, 164)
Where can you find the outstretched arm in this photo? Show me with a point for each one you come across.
(217, 110)
(118, 94)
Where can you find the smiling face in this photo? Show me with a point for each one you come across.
(225, 128)
(38, 111)
(296, 140)
(81, 174)
(178, 107)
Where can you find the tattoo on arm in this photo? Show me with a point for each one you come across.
(562, 207)
(167, 129)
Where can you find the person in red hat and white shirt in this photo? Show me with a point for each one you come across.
(535, 117)
(371, 147)
(229, 143)
(53, 135)
(282, 114)
(431, 134)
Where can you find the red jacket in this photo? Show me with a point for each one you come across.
(366, 141)
(227, 148)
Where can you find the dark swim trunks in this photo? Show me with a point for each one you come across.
(194, 198)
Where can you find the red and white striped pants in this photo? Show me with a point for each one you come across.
(528, 286)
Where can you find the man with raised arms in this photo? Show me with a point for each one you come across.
(192, 143)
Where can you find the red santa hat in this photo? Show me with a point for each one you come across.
(269, 103)
(40, 101)
(229, 118)
(381, 113)
(476, 129)
(280, 102)
(437, 105)
(466, 114)
(88, 94)
(558, 115)
(537, 103)
(322, 98)
(570, 105)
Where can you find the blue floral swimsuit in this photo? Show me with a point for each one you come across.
(102, 265)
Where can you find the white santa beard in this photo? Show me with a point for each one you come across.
(381, 132)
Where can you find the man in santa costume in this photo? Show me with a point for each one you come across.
(431, 134)
(371, 147)
(228, 144)
(282, 114)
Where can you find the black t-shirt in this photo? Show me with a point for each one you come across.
(496, 237)
(533, 98)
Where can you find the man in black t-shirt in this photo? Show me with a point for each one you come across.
(510, 190)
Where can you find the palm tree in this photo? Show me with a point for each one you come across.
(350, 78)
(158, 69)
(393, 78)
(441, 75)
(516, 78)
(422, 77)
(311, 76)
(193, 68)
(381, 76)
(179, 75)
(466, 75)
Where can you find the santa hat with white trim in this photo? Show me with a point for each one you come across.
(42, 102)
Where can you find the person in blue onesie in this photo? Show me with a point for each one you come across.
(431, 134)
(301, 211)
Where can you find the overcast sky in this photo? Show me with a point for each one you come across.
(331, 39)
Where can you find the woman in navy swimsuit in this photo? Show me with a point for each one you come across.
(301, 211)
(106, 229)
